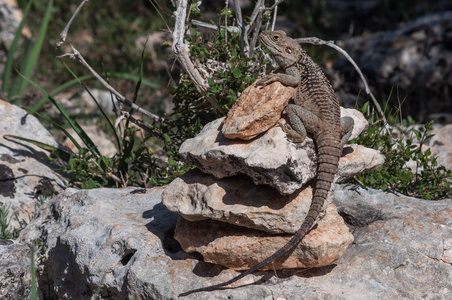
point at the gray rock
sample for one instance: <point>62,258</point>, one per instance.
<point>15,270</point>
<point>441,145</point>
<point>25,170</point>
<point>402,250</point>
<point>269,159</point>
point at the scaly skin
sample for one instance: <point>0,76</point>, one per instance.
<point>316,110</point>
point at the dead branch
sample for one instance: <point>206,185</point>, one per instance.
<point>182,51</point>
<point>77,56</point>
<point>63,34</point>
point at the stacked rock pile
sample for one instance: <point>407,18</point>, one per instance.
<point>246,198</point>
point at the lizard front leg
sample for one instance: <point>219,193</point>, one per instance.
<point>347,124</point>
<point>300,119</point>
<point>290,77</point>
<point>285,79</point>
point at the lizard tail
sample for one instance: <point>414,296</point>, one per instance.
<point>328,164</point>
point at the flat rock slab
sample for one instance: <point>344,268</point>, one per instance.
<point>25,170</point>
<point>237,200</point>
<point>238,248</point>
<point>402,250</point>
<point>268,159</point>
<point>256,110</point>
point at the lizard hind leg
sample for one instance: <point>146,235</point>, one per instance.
<point>347,124</point>
<point>300,119</point>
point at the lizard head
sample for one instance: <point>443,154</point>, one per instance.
<point>285,50</point>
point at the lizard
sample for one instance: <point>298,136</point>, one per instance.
<point>315,110</point>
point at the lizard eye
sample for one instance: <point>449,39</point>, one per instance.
<point>288,50</point>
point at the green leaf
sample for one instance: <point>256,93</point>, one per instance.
<point>80,132</point>
<point>12,50</point>
<point>62,153</point>
<point>32,57</point>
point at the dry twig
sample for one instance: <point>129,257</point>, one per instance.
<point>63,34</point>
<point>77,56</point>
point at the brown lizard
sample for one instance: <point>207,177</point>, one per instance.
<point>315,110</point>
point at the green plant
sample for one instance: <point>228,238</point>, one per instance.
<point>134,164</point>
<point>426,179</point>
<point>230,74</point>
<point>14,87</point>
<point>6,230</point>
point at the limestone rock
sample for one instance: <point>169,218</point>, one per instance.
<point>236,200</point>
<point>268,159</point>
<point>25,171</point>
<point>240,249</point>
<point>441,145</point>
<point>401,250</point>
<point>361,123</point>
<point>120,234</point>
<point>15,270</point>
<point>256,110</point>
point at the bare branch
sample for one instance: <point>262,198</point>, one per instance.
<point>181,50</point>
<point>77,56</point>
<point>140,123</point>
<point>277,2</point>
<point>275,13</point>
<point>244,44</point>
<point>63,34</point>
<point>255,13</point>
<point>214,27</point>
<point>317,41</point>
<point>257,25</point>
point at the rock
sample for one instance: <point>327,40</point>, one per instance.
<point>269,159</point>
<point>441,146</point>
<point>25,170</point>
<point>236,248</point>
<point>256,110</point>
<point>401,250</point>
<point>236,200</point>
<point>361,123</point>
<point>119,239</point>
<point>15,270</point>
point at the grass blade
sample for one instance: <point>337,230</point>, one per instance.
<point>80,132</point>
<point>12,50</point>
<point>34,282</point>
<point>33,56</point>
<point>76,144</point>
<point>73,82</point>
<point>98,106</point>
<point>62,153</point>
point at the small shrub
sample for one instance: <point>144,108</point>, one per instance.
<point>428,180</point>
